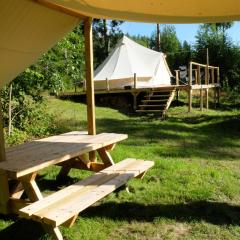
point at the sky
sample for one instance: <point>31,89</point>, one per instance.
<point>184,31</point>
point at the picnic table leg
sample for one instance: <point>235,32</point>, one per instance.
<point>34,194</point>
<point>4,196</point>
<point>106,157</point>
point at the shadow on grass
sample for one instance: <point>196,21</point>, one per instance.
<point>24,230</point>
<point>212,212</point>
<point>204,136</point>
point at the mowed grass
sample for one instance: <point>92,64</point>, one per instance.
<point>192,192</point>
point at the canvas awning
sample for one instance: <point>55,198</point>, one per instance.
<point>163,11</point>
<point>28,28</point>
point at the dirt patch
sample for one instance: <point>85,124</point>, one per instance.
<point>147,231</point>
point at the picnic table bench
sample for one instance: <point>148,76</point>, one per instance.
<point>69,150</point>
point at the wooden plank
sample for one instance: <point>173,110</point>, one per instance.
<point>190,100</point>
<point>106,157</point>
<point>201,99</point>
<point>2,142</point>
<point>4,196</point>
<point>56,217</point>
<point>135,80</point>
<point>60,8</point>
<point>64,193</point>
<point>30,187</point>
<point>16,190</point>
<point>89,76</point>
<point>190,74</point>
<point>24,161</point>
<point>16,204</point>
<point>207,98</point>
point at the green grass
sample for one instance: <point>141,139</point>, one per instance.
<point>192,192</point>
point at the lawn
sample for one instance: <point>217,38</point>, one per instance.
<point>192,192</point>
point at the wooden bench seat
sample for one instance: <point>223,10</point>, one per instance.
<point>64,206</point>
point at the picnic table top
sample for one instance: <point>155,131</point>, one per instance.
<point>31,157</point>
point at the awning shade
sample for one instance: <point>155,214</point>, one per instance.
<point>163,11</point>
<point>27,31</point>
<point>28,28</point>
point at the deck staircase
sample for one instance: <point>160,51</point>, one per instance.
<point>156,102</point>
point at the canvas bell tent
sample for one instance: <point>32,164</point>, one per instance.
<point>128,59</point>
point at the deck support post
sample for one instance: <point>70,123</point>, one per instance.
<point>218,96</point>
<point>190,100</point>
<point>201,99</point>
<point>135,80</point>
<point>89,80</point>
<point>207,98</point>
<point>135,94</point>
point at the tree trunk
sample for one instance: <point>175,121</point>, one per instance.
<point>106,39</point>
<point>158,39</point>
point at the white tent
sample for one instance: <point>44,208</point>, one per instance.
<point>129,58</point>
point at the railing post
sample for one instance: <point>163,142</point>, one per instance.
<point>135,80</point>
<point>107,84</point>
<point>199,74</point>
<point>190,74</point>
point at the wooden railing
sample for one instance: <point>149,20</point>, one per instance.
<point>211,74</point>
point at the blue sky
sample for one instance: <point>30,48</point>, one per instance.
<point>184,31</point>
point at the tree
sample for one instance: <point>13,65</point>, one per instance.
<point>169,44</point>
<point>224,54</point>
<point>105,36</point>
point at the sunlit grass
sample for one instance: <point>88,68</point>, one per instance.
<point>193,190</point>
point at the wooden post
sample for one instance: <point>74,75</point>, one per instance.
<point>207,99</point>
<point>190,74</point>
<point>135,101</point>
<point>201,99</point>
<point>218,76</point>
<point>207,69</point>
<point>218,88</point>
<point>2,142</point>
<point>89,76</point>
<point>189,100</point>
<point>177,77</point>
<point>196,76</point>
<point>199,75</point>
<point>212,75</point>
<point>135,80</point>
<point>89,81</point>
<point>107,84</point>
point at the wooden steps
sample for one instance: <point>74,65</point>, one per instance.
<point>156,102</point>
<point>63,207</point>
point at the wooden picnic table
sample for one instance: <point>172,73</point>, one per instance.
<point>69,150</point>
<point>24,161</point>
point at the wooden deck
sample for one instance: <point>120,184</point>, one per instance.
<point>138,90</point>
